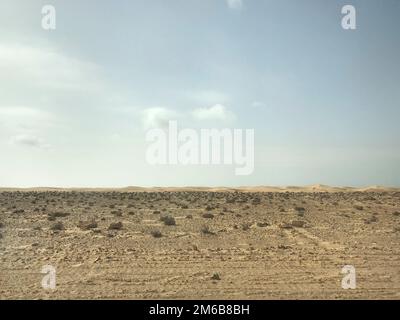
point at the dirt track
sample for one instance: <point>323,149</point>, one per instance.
<point>224,245</point>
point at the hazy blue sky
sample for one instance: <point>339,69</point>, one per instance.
<point>324,102</point>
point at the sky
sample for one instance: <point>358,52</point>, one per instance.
<point>75,102</point>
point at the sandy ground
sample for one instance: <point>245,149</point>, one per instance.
<point>199,243</point>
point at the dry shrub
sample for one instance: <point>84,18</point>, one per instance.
<point>168,220</point>
<point>115,226</point>
<point>156,233</point>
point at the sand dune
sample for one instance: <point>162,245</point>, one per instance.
<point>312,188</point>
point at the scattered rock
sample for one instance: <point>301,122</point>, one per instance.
<point>373,219</point>
<point>285,225</point>
<point>298,223</point>
<point>262,224</point>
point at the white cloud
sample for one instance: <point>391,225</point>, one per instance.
<point>258,104</point>
<point>29,141</point>
<point>18,112</point>
<point>216,112</point>
<point>235,4</point>
<point>38,87</point>
<point>22,125</point>
<point>208,97</point>
<point>157,117</point>
<point>24,66</point>
<point>21,117</point>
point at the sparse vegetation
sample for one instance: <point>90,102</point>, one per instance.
<point>115,226</point>
<point>156,233</point>
<point>58,226</point>
<point>54,215</point>
<point>168,220</point>
<point>206,230</point>
<point>87,225</point>
<point>246,226</point>
<point>116,213</point>
<point>216,276</point>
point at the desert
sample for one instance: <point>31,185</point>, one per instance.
<point>200,243</point>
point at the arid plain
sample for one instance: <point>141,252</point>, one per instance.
<point>200,243</point>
